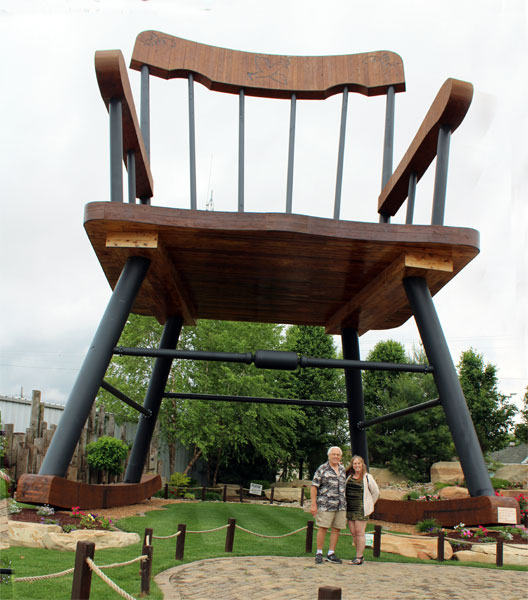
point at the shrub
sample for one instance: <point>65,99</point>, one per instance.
<point>439,485</point>
<point>498,483</point>
<point>413,495</point>
<point>107,454</point>
<point>179,480</point>
<point>212,496</point>
<point>45,511</point>
<point>428,525</point>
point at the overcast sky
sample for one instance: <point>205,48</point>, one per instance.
<point>55,156</point>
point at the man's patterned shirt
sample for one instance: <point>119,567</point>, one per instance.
<point>331,487</point>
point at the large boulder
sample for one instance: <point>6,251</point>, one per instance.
<point>297,483</point>
<point>447,472</point>
<point>36,535</point>
<point>513,473</point>
<point>386,477</point>
<point>416,547</point>
<point>453,492</point>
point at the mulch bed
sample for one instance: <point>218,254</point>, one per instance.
<point>29,515</point>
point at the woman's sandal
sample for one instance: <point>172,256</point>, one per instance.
<point>359,560</point>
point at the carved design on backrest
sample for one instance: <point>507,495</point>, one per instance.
<point>384,58</point>
<point>269,68</point>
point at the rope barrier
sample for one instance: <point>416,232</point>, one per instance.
<point>49,576</point>
<point>271,536</point>
<point>166,537</point>
<point>68,571</point>
<point>210,530</point>
<point>107,580</point>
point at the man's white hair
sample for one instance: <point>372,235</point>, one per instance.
<point>334,448</point>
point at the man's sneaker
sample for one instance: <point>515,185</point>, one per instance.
<point>318,559</point>
<point>333,558</point>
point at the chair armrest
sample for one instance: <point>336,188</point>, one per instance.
<point>113,81</point>
<point>448,109</point>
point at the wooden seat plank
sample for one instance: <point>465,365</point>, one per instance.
<point>275,268</point>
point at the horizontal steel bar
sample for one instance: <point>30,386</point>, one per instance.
<point>120,396</point>
<point>254,399</point>
<point>186,354</point>
<point>399,413</point>
<point>271,359</point>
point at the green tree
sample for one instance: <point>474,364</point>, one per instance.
<point>521,429</point>
<point>407,445</point>
<point>490,410</point>
<point>321,427</point>
<point>224,432</point>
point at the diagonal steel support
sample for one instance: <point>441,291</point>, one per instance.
<point>354,389</point>
<point>94,367</point>
<point>448,385</point>
<point>155,391</point>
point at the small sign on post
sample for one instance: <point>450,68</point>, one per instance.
<point>255,489</point>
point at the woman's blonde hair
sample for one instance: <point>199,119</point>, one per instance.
<point>350,468</point>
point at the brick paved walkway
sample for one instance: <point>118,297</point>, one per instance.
<point>276,578</point>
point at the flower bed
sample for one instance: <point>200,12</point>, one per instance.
<point>69,521</point>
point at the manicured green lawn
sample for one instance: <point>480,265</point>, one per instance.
<point>264,519</point>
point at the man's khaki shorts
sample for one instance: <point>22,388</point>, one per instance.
<point>331,518</point>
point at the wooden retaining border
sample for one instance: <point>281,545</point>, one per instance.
<point>480,510</point>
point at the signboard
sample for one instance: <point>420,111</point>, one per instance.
<point>255,489</point>
<point>369,539</point>
<point>506,515</point>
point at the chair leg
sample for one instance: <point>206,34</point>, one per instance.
<point>156,388</point>
<point>354,388</point>
<point>93,369</point>
<point>448,385</point>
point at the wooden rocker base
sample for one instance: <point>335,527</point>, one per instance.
<point>480,510</point>
<point>63,493</point>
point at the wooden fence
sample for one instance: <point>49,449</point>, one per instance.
<point>24,452</point>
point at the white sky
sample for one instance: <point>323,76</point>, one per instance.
<point>55,156</point>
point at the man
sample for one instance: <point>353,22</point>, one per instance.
<point>329,503</point>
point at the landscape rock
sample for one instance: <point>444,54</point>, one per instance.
<point>415,547</point>
<point>453,492</point>
<point>101,539</point>
<point>29,535</point>
<point>447,472</point>
<point>297,483</point>
<point>392,494</point>
<point>514,473</point>
<point>35,535</point>
<point>284,494</point>
<point>386,477</point>
<point>486,553</point>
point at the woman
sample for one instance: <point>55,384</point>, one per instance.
<point>361,495</point>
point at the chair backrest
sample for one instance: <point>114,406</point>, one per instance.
<point>273,76</point>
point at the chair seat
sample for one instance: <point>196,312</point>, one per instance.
<point>274,268</point>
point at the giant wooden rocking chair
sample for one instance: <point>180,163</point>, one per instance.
<point>181,265</point>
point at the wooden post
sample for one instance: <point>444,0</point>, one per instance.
<point>147,537</point>
<point>329,593</point>
<point>180,542</point>
<point>272,494</point>
<point>82,575</point>
<point>166,491</point>
<point>203,493</point>
<point>224,497</point>
<point>146,570</point>
<point>230,535</point>
<point>377,541</point>
<point>440,547</point>
<point>499,555</point>
<point>241,493</point>
<point>309,537</point>
<point>302,495</point>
